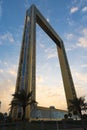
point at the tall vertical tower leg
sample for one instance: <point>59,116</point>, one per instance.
<point>66,74</point>
<point>27,63</point>
<point>20,67</point>
<point>30,81</point>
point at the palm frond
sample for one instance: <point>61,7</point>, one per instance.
<point>77,104</point>
<point>29,95</point>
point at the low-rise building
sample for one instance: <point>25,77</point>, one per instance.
<point>45,113</point>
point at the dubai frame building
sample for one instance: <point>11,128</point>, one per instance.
<point>26,77</point>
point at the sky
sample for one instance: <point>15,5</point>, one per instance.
<point>69,20</point>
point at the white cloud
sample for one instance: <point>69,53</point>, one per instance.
<point>69,49</point>
<point>6,89</point>
<point>84,9</point>
<point>1,71</point>
<point>47,96</point>
<point>42,45</point>
<point>5,63</point>
<point>84,31</point>
<point>26,4</point>
<point>7,84</point>
<point>80,80</point>
<point>69,36</point>
<point>74,9</point>
<point>81,77</point>
<point>7,37</point>
<point>76,39</point>
<point>48,20</point>
<point>84,66</point>
<point>70,21</point>
<point>51,52</point>
<point>12,72</point>
<point>82,41</point>
<point>39,79</point>
<point>52,55</point>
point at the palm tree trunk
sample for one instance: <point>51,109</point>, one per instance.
<point>23,117</point>
<point>80,113</point>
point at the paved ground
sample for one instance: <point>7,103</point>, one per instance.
<point>74,129</point>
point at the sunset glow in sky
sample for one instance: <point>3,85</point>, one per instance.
<point>69,20</point>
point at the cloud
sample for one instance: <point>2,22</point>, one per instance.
<point>68,49</point>
<point>84,66</point>
<point>84,31</point>
<point>70,21</point>
<point>81,77</point>
<point>1,70</point>
<point>26,4</point>
<point>42,45</point>
<point>39,79</point>
<point>51,52</point>
<point>7,84</point>
<point>76,39</point>
<point>5,63</point>
<point>80,80</point>
<point>5,94</point>
<point>47,96</point>
<point>74,9</point>
<point>69,36</point>
<point>82,41</point>
<point>48,20</point>
<point>12,72</point>
<point>84,9</point>
<point>7,37</point>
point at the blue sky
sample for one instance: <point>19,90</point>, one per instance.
<point>69,20</point>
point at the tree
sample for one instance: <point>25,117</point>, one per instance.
<point>69,114</point>
<point>84,117</point>
<point>1,116</point>
<point>22,99</point>
<point>0,104</point>
<point>66,116</point>
<point>77,105</point>
<point>13,103</point>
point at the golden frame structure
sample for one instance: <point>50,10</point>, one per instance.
<point>26,78</point>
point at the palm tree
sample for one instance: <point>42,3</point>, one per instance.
<point>1,116</point>
<point>77,105</point>
<point>13,103</point>
<point>0,104</point>
<point>22,100</point>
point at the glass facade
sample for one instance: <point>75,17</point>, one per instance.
<point>26,40</point>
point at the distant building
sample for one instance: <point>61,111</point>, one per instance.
<point>45,113</point>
